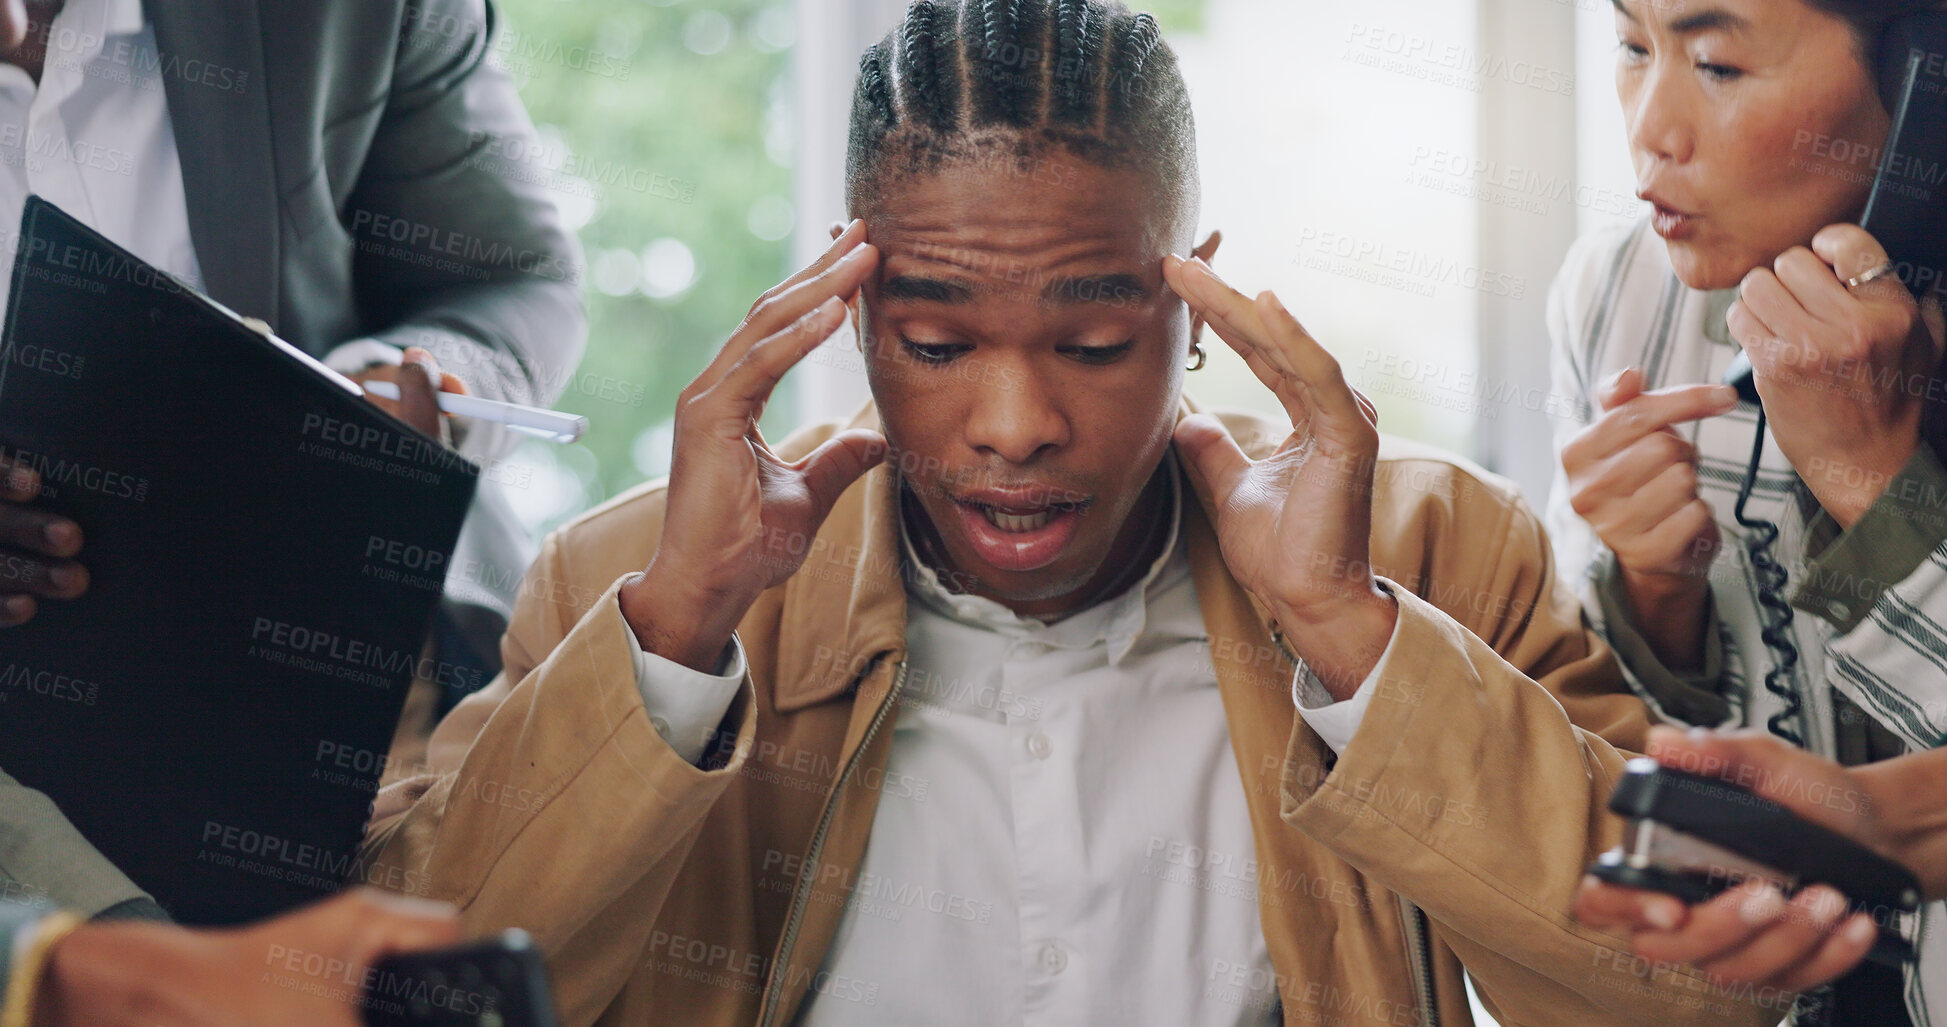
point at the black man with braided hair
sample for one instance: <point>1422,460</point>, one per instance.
<point>1033,695</point>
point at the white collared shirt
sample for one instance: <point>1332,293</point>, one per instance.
<point>95,138</point>
<point>1070,841</point>
<point>1081,850</point>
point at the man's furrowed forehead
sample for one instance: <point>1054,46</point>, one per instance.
<point>947,269</point>
<point>948,240</point>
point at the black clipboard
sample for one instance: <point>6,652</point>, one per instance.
<point>266,550</point>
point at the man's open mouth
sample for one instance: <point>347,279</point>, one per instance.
<point>1021,519</point>
<point>1020,529</point>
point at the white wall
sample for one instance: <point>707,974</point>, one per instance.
<point>831,36</point>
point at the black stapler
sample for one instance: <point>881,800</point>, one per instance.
<point>1693,837</point>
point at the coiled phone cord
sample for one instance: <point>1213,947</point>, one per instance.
<point>1776,612</point>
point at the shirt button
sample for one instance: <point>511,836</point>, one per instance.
<point>1039,746</point>
<point>1841,611</point>
<point>1053,959</point>
<point>661,726</point>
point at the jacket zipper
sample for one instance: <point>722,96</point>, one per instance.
<point>801,895</point>
<point>1421,954</point>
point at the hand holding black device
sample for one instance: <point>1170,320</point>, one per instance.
<point>1906,219</point>
<point>1902,213</point>
<point>1693,837</point>
<point>495,983</point>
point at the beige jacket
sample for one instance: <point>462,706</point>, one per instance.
<point>665,894</point>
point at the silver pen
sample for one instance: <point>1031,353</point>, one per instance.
<point>552,425</point>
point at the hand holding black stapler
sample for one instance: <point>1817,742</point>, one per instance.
<point>1693,837</point>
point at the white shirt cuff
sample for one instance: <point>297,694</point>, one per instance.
<point>352,357</point>
<point>1334,721</point>
<point>685,706</point>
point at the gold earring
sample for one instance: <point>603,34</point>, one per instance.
<point>1197,348</point>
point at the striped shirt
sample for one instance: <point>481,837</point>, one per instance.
<point>1867,625</point>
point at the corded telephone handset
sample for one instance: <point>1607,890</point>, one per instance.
<point>1901,213</point>
<point>1912,63</point>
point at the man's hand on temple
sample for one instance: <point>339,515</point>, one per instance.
<point>1844,372</point>
<point>1296,527</point>
<point>739,518</point>
<point>308,968</point>
<point>37,548</point>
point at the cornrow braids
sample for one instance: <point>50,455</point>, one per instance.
<point>961,80</point>
<point>1137,40</point>
<point>1007,75</point>
<point>926,46</point>
<point>1078,42</point>
<point>875,94</point>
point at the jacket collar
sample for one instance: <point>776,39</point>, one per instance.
<point>845,608</point>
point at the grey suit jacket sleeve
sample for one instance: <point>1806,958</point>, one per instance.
<point>500,305</point>
<point>45,863</point>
